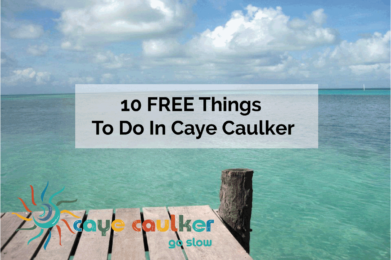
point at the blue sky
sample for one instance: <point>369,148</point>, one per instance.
<point>48,46</point>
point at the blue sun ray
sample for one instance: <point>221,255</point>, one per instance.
<point>43,192</point>
<point>47,240</point>
<point>37,236</point>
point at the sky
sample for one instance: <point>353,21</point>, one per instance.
<point>48,46</point>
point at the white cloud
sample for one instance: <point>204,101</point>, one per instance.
<point>107,78</point>
<point>162,48</point>
<point>370,50</point>
<point>42,77</point>
<point>111,61</point>
<point>318,16</point>
<point>67,45</point>
<point>263,31</point>
<point>28,75</point>
<point>95,22</point>
<point>256,45</point>
<point>37,50</point>
<point>382,68</point>
<point>365,59</point>
<point>60,5</point>
<point>20,29</point>
<point>250,46</point>
<point>81,80</point>
<point>27,31</point>
<point>348,62</point>
<point>263,34</point>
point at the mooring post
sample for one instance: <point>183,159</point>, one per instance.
<point>236,199</point>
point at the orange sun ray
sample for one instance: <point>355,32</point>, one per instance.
<point>66,223</point>
<point>32,195</point>
<point>59,232</point>
<point>25,206</point>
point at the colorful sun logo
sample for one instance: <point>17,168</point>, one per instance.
<point>47,221</point>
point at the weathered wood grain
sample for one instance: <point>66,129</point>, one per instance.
<point>224,245</point>
<point>9,224</point>
<point>54,250</point>
<point>158,241</point>
<point>128,244</point>
<point>92,245</point>
<point>236,197</point>
<point>18,248</point>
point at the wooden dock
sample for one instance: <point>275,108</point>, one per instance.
<point>127,244</point>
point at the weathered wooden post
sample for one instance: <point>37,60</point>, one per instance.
<point>236,199</point>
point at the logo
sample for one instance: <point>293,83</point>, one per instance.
<point>49,218</point>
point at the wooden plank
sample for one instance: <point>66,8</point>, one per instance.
<point>224,245</point>
<point>93,245</point>
<point>158,241</point>
<point>128,244</point>
<point>56,251</point>
<point>18,248</point>
<point>9,223</point>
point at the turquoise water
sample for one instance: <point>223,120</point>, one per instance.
<point>326,203</point>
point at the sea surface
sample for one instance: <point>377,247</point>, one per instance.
<point>326,203</point>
